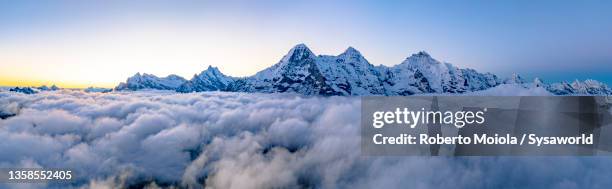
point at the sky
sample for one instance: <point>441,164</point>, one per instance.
<point>79,44</point>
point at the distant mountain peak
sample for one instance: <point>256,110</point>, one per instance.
<point>210,79</point>
<point>300,46</point>
<point>212,69</point>
<point>150,81</point>
<point>350,51</point>
<point>421,57</point>
<point>537,82</point>
<point>422,54</point>
<point>515,79</point>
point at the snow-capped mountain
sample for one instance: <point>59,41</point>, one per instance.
<point>514,79</point>
<point>24,90</point>
<point>296,72</point>
<point>34,90</point>
<point>97,90</point>
<point>420,73</point>
<point>349,73</point>
<point>210,79</point>
<point>579,87</point>
<point>45,88</point>
<point>149,81</point>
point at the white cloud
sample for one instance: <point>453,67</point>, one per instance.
<point>236,140</point>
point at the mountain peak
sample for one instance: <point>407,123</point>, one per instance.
<point>298,52</point>
<point>148,75</point>
<point>421,54</point>
<point>420,58</point>
<point>537,82</point>
<point>210,79</point>
<point>300,46</point>
<point>174,76</point>
<point>514,79</point>
<point>150,81</point>
<point>212,69</point>
<point>351,51</point>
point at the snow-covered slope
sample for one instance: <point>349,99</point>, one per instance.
<point>210,79</point>
<point>420,73</point>
<point>149,81</point>
<point>349,73</point>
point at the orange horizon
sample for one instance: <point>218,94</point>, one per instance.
<point>37,83</point>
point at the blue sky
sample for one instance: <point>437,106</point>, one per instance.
<point>80,43</point>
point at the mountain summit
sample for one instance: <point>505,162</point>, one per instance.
<point>210,79</point>
<point>295,72</point>
<point>297,53</point>
<point>349,73</point>
<point>150,81</point>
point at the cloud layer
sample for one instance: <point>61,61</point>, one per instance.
<point>237,140</point>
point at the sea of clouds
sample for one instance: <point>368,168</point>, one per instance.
<point>236,140</point>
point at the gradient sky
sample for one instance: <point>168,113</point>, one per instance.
<point>101,43</point>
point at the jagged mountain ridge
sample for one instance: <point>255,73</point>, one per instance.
<point>150,81</point>
<point>349,73</point>
<point>210,79</point>
<point>296,72</point>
